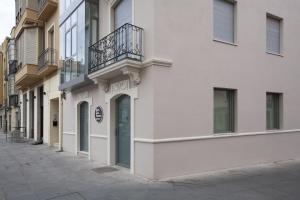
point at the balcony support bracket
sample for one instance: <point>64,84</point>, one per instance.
<point>134,75</point>
<point>104,84</point>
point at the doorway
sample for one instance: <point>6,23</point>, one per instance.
<point>25,113</point>
<point>54,126</point>
<point>31,114</point>
<point>83,127</point>
<point>123,131</point>
<point>41,113</point>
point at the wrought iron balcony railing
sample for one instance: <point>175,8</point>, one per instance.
<point>124,43</point>
<point>47,57</point>
<point>71,70</point>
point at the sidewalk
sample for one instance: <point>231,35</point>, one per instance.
<point>30,172</point>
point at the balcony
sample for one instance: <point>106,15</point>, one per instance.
<point>28,17</point>
<point>122,49</point>
<point>47,62</point>
<point>46,8</point>
<point>27,76</point>
<point>73,75</point>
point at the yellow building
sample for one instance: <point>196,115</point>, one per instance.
<point>37,77</point>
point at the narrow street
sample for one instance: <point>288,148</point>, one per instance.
<point>30,172</point>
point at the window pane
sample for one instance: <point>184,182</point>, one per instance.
<point>74,41</point>
<point>223,111</point>
<point>224,20</point>
<point>74,18</point>
<point>62,42</point>
<point>81,37</point>
<point>67,3</point>
<point>273,35</point>
<point>68,44</point>
<point>68,24</point>
<point>123,13</point>
<point>273,111</point>
<point>94,30</point>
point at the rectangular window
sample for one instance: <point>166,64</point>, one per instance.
<point>224,109</point>
<point>74,41</point>
<point>273,111</point>
<point>224,20</point>
<point>273,35</point>
<point>68,44</point>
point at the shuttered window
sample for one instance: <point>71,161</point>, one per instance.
<point>224,110</point>
<point>273,111</point>
<point>273,35</point>
<point>123,13</point>
<point>224,16</point>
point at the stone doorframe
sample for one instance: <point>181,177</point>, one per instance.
<point>116,90</point>
<point>80,99</point>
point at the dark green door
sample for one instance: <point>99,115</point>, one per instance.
<point>84,135</point>
<point>123,131</point>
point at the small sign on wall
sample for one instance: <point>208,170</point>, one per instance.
<point>99,114</point>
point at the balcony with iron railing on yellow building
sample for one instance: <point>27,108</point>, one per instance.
<point>47,62</point>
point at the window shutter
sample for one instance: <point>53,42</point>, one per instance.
<point>273,35</point>
<point>224,20</point>
<point>123,13</point>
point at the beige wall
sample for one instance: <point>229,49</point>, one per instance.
<point>183,94</point>
<point>174,109</point>
<point>51,83</point>
<point>1,77</point>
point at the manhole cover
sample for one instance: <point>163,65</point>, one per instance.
<point>70,196</point>
<point>103,170</point>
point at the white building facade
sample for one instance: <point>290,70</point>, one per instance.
<point>170,88</point>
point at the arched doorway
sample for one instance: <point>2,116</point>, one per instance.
<point>123,131</point>
<point>83,127</point>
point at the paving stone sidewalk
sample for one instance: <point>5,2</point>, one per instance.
<point>30,172</point>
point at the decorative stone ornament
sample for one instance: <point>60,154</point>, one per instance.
<point>133,73</point>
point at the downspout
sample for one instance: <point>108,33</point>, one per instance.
<point>62,97</point>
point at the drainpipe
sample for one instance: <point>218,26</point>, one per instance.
<point>62,96</point>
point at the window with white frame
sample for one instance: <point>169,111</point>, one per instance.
<point>224,20</point>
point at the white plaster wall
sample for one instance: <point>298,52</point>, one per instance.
<point>68,143</point>
<point>99,149</point>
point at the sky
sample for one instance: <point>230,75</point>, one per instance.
<point>7,18</point>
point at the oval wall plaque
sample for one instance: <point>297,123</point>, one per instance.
<point>99,114</point>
